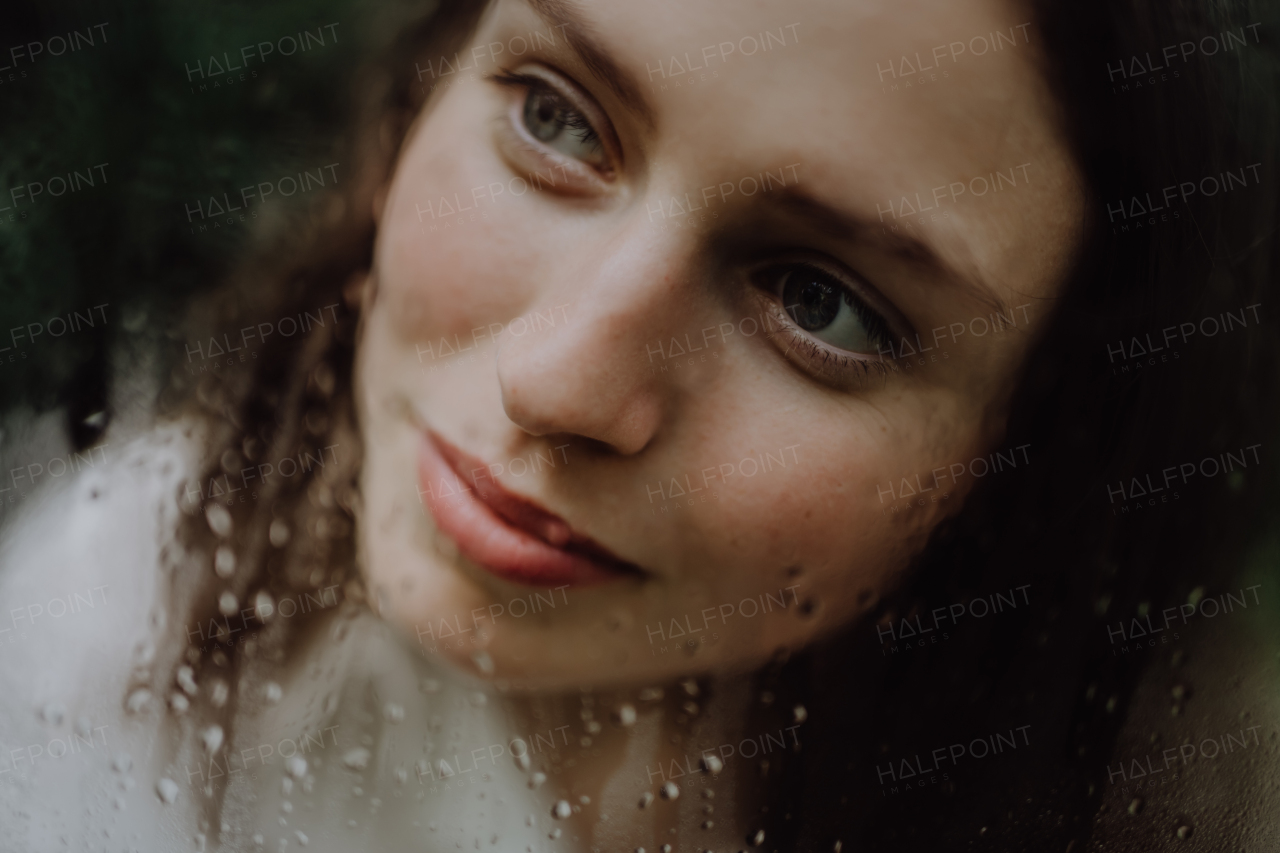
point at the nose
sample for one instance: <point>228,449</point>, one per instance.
<point>588,376</point>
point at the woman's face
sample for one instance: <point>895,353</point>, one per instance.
<point>688,321</point>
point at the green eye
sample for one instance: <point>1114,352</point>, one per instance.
<point>556,123</point>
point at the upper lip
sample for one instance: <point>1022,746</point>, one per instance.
<point>523,513</point>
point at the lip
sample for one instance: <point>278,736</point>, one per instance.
<point>508,535</point>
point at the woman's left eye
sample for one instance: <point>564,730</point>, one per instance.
<point>828,309</point>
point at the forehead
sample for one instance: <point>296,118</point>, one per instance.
<point>891,109</point>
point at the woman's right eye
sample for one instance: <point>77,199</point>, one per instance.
<point>552,117</point>
<point>552,120</point>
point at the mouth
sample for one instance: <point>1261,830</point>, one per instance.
<point>507,535</point>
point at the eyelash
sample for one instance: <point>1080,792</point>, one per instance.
<point>574,119</point>
<point>834,365</point>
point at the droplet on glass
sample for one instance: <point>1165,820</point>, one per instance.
<point>186,677</point>
<point>536,780</point>
<point>483,661</point>
<point>224,562</point>
<point>646,800</point>
<point>669,791</point>
<point>138,701</point>
<point>179,703</point>
<point>523,762</point>
<point>1183,832</point>
<point>122,763</point>
<point>651,694</point>
<point>272,692</point>
<point>1135,805</point>
<point>212,739</point>
<point>625,715</point>
<point>561,810</point>
<point>296,766</point>
<point>228,604</point>
<point>712,764</point>
<point>52,713</point>
<point>278,533</point>
<point>264,606</point>
<point>219,520</point>
<point>356,759</point>
<point>554,834</point>
<point>690,686</point>
<point>758,838</point>
<point>218,693</point>
<point>393,713</point>
<point>167,790</point>
<point>799,714</point>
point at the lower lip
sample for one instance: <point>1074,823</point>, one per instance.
<point>487,540</point>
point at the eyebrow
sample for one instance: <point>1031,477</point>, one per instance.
<point>845,226</point>
<point>584,42</point>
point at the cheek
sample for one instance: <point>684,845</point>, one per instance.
<point>450,255</point>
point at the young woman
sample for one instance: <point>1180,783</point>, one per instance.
<point>700,427</point>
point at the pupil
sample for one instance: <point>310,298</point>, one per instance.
<point>812,301</point>
<point>542,116</point>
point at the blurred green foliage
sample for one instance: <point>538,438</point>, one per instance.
<point>133,101</point>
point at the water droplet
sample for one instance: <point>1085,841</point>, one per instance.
<point>264,606</point>
<point>712,764</point>
<point>272,692</point>
<point>356,759</point>
<point>139,701</point>
<point>690,686</point>
<point>219,520</point>
<point>483,661</point>
<point>296,766</point>
<point>666,848</point>
<point>561,810</point>
<point>258,839</point>
<point>228,604</point>
<point>646,799</point>
<point>187,680</point>
<point>799,713</point>
<point>286,807</point>
<point>1183,832</point>
<point>758,838</point>
<point>669,791</point>
<point>651,694</point>
<point>536,780</point>
<point>554,834</point>
<point>212,739</point>
<point>167,790</point>
<point>218,693</point>
<point>708,824</point>
<point>585,800</point>
<point>523,762</point>
<point>393,713</point>
<point>178,703</point>
<point>122,763</point>
<point>837,847</point>
<point>625,715</point>
<point>301,836</point>
<point>278,533</point>
<point>1135,805</point>
<point>224,562</point>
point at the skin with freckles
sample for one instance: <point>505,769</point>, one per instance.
<point>723,387</point>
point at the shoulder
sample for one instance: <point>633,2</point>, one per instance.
<point>85,611</point>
